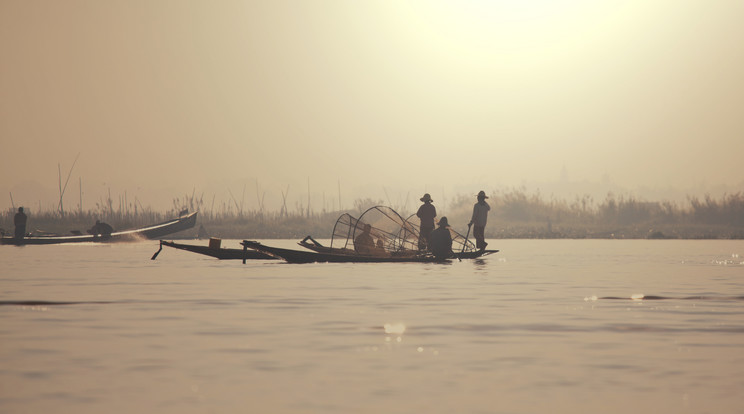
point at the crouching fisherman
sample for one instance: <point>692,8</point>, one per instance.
<point>441,240</point>
<point>104,229</point>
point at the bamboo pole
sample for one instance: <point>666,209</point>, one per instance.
<point>59,179</point>
<point>308,196</point>
<point>67,181</point>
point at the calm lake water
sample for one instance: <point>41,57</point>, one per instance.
<point>544,326</point>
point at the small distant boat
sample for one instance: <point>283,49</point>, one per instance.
<point>155,231</point>
<point>215,250</point>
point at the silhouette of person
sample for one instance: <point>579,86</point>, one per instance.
<point>426,213</point>
<point>19,220</point>
<point>364,243</point>
<point>379,249</point>
<point>479,219</point>
<point>101,228</point>
<point>441,240</point>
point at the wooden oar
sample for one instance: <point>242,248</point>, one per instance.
<point>157,252</point>
<point>466,241</point>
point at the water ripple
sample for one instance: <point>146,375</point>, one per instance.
<point>655,297</point>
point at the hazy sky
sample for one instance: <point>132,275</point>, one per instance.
<point>387,98</point>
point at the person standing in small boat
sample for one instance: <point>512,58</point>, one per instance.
<point>441,240</point>
<point>426,213</point>
<point>478,221</point>
<point>19,220</point>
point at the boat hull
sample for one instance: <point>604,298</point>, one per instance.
<point>299,256</point>
<point>310,243</point>
<point>219,253</point>
<point>154,231</point>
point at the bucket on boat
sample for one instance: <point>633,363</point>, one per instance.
<point>214,243</point>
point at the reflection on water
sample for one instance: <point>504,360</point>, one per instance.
<point>394,328</point>
<point>559,326</point>
<point>640,296</point>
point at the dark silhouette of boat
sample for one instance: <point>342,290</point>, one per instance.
<point>156,231</point>
<point>215,251</point>
<point>396,241</point>
<point>312,244</point>
<point>390,238</point>
<point>307,256</point>
<point>395,236</point>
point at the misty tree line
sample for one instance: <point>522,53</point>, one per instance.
<point>515,213</point>
<point>517,205</point>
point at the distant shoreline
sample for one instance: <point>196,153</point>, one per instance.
<point>322,227</point>
<point>514,214</point>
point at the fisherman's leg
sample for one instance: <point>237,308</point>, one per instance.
<point>479,234</point>
<point>423,243</point>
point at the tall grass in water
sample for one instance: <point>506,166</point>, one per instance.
<point>515,213</point>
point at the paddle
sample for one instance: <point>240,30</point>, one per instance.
<point>157,252</point>
<point>466,241</point>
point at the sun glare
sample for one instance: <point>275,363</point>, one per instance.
<point>495,26</point>
<point>479,41</point>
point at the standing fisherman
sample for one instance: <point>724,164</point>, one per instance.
<point>20,224</point>
<point>478,221</point>
<point>426,213</point>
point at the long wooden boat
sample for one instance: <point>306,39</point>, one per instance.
<point>155,231</point>
<point>299,256</point>
<point>312,244</point>
<point>391,234</point>
<point>222,253</point>
<point>473,254</point>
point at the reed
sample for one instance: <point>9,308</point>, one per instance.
<point>515,213</point>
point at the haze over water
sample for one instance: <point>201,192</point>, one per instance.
<point>320,103</point>
<point>386,100</point>
<point>542,326</point>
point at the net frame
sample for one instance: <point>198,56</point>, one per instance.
<point>393,233</point>
<point>459,242</point>
<point>399,236</point>
<point>343,232</point>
